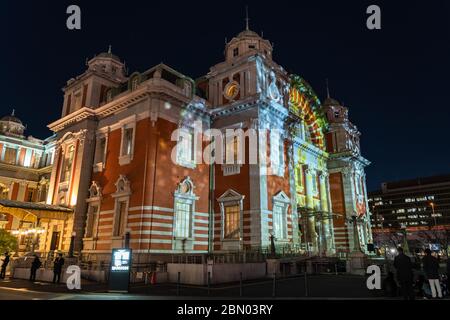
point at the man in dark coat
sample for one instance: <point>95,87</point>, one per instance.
<point>403,265</point>
<point>4,265</point>
<point>57,268</point>
<point>431,269</point>
<point>35,265</point>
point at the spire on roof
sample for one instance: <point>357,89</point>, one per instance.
<point>13,112</point>
<point>328,89</point>
<point>109,49</point>
<point>246,18</point>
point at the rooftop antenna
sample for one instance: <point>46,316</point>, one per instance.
<point>328,89</point>
<point>109,49</point>
<point>13,113</point>
<point>262,34</point>
<point>246,18</point>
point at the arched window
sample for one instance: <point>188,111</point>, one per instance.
<point>184,208</point>
<point>122,199</point>
<point>279,215</point>
<point>134,83</point>
<point>93,201</point>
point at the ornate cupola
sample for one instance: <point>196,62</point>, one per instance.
<point>12,126</point>
<point>247,42</point>
<point>108,64</point>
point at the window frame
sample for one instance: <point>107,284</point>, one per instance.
<point>231,198</point>
<point>186,197</point>
<point>282,201</point>
<point>181,160</point>
<point>125,159</point>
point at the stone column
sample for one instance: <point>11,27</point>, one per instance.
<point>310,207</point>
<point>325,219</point>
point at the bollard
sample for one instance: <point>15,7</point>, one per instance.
<point>209,283</point>
<point>178,283</point>
<point>240,285</point>
<point>274,284</point>
<point>306,284</point>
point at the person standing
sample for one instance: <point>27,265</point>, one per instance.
<point>35,265</point>
<point>57,268</point>
<point>4,265</point>
<point>431,269</point>
<point>403,265</point>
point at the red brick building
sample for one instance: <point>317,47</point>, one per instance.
<point>131,150</point>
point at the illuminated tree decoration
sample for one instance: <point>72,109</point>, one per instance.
<point>305,104</point>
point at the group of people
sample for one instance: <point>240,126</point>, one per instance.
<point>58,264</point>
<point>428,284</point>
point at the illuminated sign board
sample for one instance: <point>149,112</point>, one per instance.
<point>119,275</point>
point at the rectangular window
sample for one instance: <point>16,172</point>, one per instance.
<point>299,177</point>
<point>30,194</point>
<point>231,147</point>
<point>120,221</point>
<point>235,52</point>
<point>314,182</point>
<point>279,222</point>
<point>277,154</point>
<point>10,155</point>
<point>127,145</point>
<point>232,222</point>
<point>91,228</point>
<point>67,165</point>
<point>185,147</point>
<point>77,100</point>
<point>100,152</point>
<point>183,212</point>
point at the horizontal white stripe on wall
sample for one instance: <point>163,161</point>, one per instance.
<point>106,212</point>
<point>153,232</point>
<point>149,216</point>
<point>150,224</point>
<point>150,240</point>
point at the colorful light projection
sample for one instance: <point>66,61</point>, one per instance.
<point>306,105</point>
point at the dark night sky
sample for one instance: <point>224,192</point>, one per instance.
<point>395,81</point>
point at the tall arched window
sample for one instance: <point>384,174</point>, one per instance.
<point>184,208</point>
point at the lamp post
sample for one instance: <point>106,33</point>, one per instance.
<point>72,244</point>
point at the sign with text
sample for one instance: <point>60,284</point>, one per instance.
<point>119,273</point>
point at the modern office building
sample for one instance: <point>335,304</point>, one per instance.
<point>420,207</point>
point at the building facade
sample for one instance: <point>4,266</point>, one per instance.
<point>419,208</point>
<point>25,169</point>
<point>131,159</point>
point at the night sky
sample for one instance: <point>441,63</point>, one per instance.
<point>394,80</point>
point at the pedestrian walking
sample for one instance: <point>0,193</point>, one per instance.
<point>35,265</point>
<point>403,265</point>
<point>5,263</point>
<point>57,268</point>
<point>431,269</point>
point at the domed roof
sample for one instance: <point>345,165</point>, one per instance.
<point>331,102</point>
<point>248,34</point>
<point>11,118</point>
<point>109,54</point>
